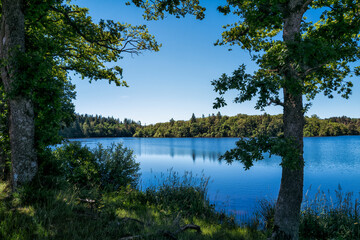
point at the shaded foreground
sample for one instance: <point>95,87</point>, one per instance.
<point>126,214</point>
<point>78,195</point>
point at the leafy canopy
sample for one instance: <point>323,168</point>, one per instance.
<point>320,57</point>
<point>62,39</point>
<point>155,9</point>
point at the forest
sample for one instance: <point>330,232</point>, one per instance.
<point>241,125</point>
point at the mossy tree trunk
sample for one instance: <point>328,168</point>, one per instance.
<point>22,128</point>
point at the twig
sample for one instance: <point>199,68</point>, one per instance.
<point>125,219</point>
<point>131,237</point>
<point>190,226</point>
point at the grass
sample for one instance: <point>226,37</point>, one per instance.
<point>83,193</point>
<point>157,213</point>
<point>325,215</point>
<point>77,195</point>
<point>331,216</point>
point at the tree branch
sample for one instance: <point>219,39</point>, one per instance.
<point>306,4</point>
<point>276,101</point>
<point>78,31</point>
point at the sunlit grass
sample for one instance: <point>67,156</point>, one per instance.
<point>64,214</point>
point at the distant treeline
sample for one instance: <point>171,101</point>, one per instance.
<point>86,126</point>
<point>212,126</point>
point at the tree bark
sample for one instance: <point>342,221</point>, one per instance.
<point>22,127</point>
<point>287,209</point>
<point>4,130</point>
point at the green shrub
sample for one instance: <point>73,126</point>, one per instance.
<point>117,166</point>
<point>186,193</point>
<point>109,168</point>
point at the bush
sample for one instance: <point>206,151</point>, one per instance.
<point>117,166</point>
<point>187,194</point>
<point>110,168</point>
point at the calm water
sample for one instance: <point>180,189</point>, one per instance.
<point>330,161</point>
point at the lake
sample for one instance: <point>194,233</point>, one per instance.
<point>329,161</point>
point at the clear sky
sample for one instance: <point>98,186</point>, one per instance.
<point>175,82</point>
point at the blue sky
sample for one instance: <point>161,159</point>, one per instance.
<point>175,82</point>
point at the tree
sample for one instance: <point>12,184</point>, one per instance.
<point>21,132</point>
<point>172,121</point>
<point>309,58</point>
<point>193,118</point>
<point>42,42</point>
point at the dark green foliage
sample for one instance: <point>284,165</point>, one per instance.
<point>212,126</point>
<point>248,126</point>
<point>153,10</point>
<point>321,55</point>
<point>4,136</point>
<point>190,189</point>
<point>65,34</point>
<point>253,149</point>
<point>322,216</point>
<point>57,205</point>
<point>61,38</point>
<point>193,118</point>
<point>110,168</point>
<point>118,167</point>
<point>333,126</point>
<point>78,164</point>
<point>215,126</point>
<point>86,126</point>
<point>310,58</point>
<point>57,93</point>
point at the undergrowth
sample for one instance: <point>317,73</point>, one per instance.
<point>325,215</point>
<point>81,193</point>
<point>64,202</point>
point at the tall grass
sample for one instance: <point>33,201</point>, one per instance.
<point>330,216</point>
<point>186,193</point>
<point>324,215</point>
<point>79,194</point>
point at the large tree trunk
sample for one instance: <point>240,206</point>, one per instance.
<point>287,210</point>
<point>22,128</point>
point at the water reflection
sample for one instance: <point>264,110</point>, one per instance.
<point>329,161</point>
<point>319,152</point>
